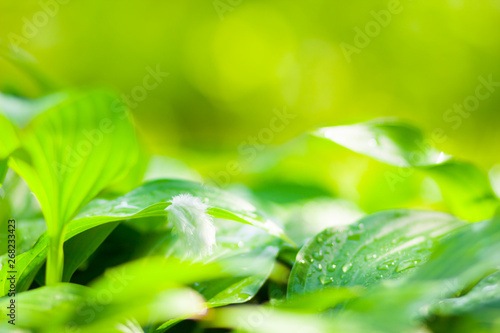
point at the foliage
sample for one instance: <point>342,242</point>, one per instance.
<point>101,250</point>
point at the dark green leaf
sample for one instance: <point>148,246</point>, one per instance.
<point>79,248</point>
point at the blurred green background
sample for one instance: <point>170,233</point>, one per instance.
<point>232,63</point>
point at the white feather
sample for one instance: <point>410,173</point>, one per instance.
<point>194,226</point>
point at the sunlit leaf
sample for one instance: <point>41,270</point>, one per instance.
<point>45,307</point>
<point>148,200</point>
<point>380,246</point>
<point>387,141</point>
<point>459,259</point>
<point>466,189</point>
<point>70,152</point>
<point>3,170</point>
<point>485,291</point>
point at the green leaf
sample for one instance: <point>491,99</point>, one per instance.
<point>27,63</point>
<point>466,189</point>
<point>380,246</point>
<point>466,256</point>
<point>149,290</point>
<point>239,243</point>
<point>70,152</point>
<point>266,319</point>
<point>319,300</point>
<point>485,291</point>
<point>8,143</point>
<point>148,200</point>
<point>3,170</point>
<point>387,141</point>
<point>459,260</point>
<point>79,248</point>
<point>44,307</point>
<point>153,197</point>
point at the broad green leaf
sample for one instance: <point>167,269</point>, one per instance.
<point>466,189</point>
<point>149,290</point>
<point>238,243</point>
<point>70,152</point>
<point>19,199</point>
<point>148,309</point>
<point>485,291</point>
<point>466,256</point>
<point>266,319</point>
<point>79,248</point>
<point>20,111</point>
<point>8,137</point>
<point>158,192</point>
<point>319,300</point>
<point>380,246</point>
<point>44,307</point>
<point>386,140</point>
<point>460,259</point>
<point>149,200</point>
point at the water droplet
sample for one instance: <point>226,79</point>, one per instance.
<point>320,238</point>
<point>361,226</point>
<point>325,279</point>
<point>407,264</point>
<point>370,256</point>
<point>318,255</point>
<point>302,261</point>
<point>386,265</point>
<point>346,267</point>
<point>317,268</point>
<point>331,268</point>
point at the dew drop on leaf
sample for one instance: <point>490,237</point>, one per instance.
<point>346,267</point>
<point>385,266</point>
<point>325,279</point>
<point>318,255</point>
<point>407,264</point>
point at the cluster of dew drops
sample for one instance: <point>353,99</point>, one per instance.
<point>325,269</point>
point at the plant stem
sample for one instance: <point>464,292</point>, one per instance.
<point>55,259</point>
